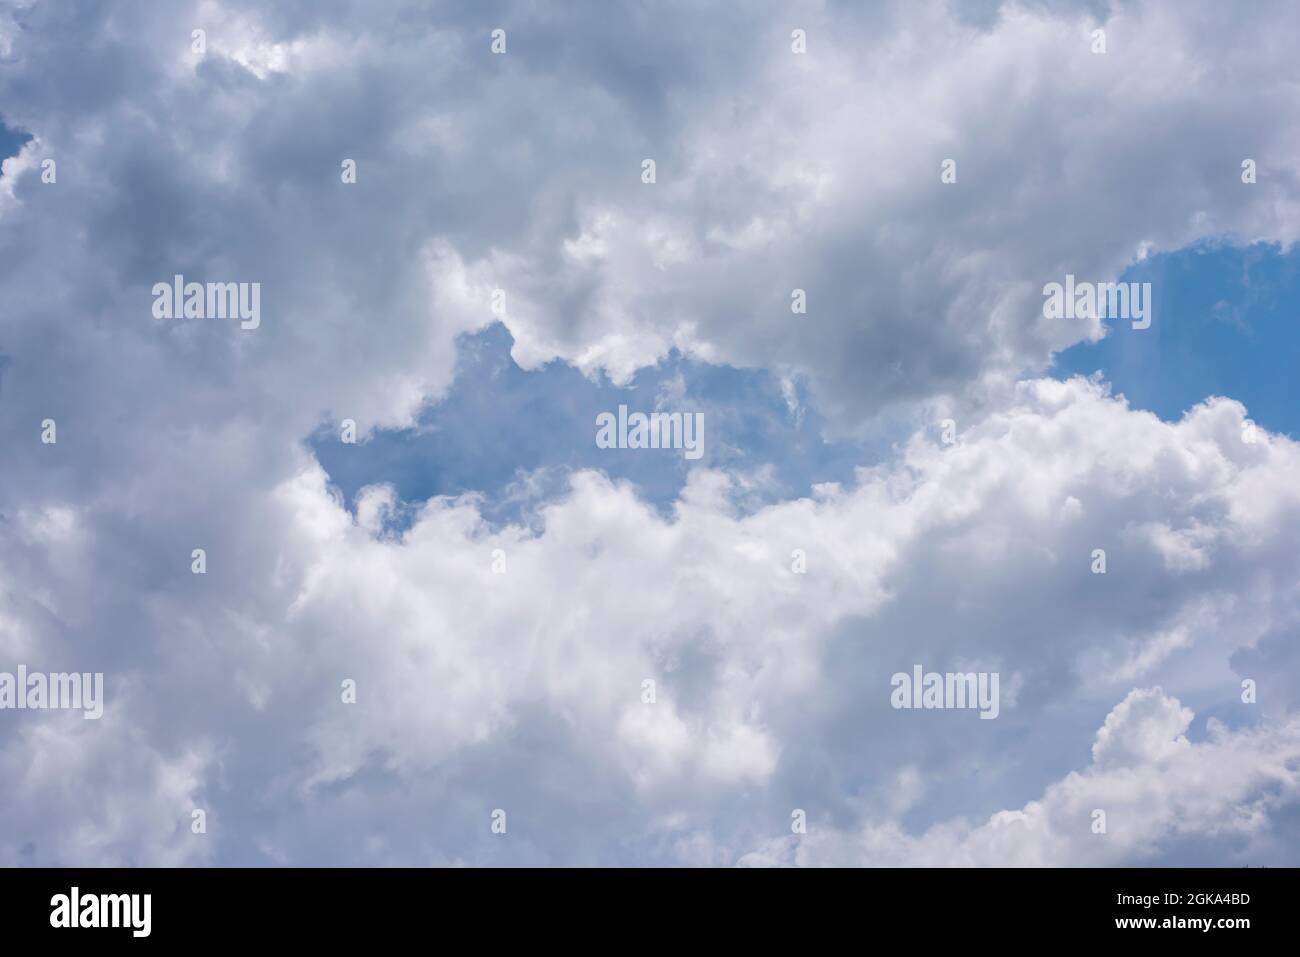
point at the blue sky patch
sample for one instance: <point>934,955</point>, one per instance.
<point>514,435</point>
<point>1225,323</point>
<point>11,141</point>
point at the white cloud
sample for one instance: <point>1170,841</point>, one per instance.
<point>957,557</point>
<point>1154,787</point>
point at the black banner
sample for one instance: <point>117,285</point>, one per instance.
<point>331,907</point>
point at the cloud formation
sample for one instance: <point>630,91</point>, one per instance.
<point>523,690</point>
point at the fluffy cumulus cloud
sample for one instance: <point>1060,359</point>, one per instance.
<point>1118,810</point>
<point>504,665</point>
<point>522,689</point>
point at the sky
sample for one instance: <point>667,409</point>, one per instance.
<point>435,622</point>
<point>1233,335</point>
